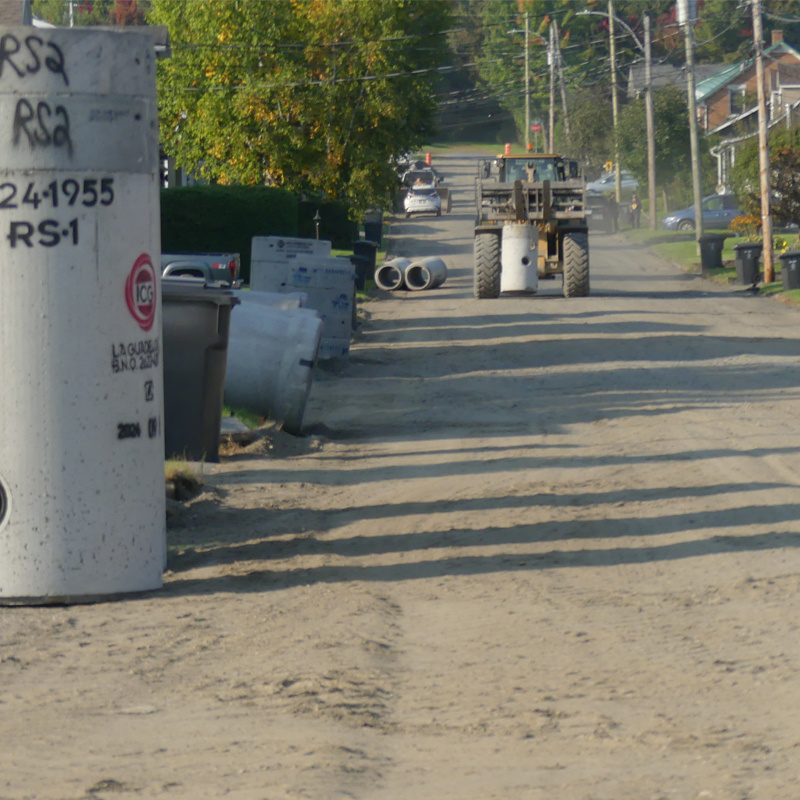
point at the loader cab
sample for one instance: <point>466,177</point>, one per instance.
<point>533,168</point>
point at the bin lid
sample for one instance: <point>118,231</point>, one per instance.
<point>713,237</point>
<point>748,246</point>
<point>355,259</point>
<point>790,255</point>
<point>198,290</point>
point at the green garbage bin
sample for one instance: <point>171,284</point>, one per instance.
<point>790,269</point>
<point>747,256</point>
<point>711,250</point>
<point>196,320</point>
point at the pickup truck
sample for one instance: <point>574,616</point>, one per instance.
<point>225,267</point>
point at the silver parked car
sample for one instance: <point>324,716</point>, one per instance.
<point>423,200</point>
<point>607,183</point>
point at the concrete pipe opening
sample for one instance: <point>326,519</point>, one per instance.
<point>391,274</point>
<point>417,277</point>
<point>4,504</point>
<point>426,273</point>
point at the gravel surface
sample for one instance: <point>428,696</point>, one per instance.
<point>530,548</point>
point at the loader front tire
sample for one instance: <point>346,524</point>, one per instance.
<point>576,264</point>
<point>487,266</point>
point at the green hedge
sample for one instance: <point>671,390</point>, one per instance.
<point>334,223</point>
<point>224,219</point>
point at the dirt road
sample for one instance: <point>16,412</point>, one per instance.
<point>535,548</point>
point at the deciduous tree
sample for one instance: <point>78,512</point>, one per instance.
<point>315,96</point>
<point>784,159</point>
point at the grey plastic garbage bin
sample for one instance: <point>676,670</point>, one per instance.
<point>711,250</point>
<point>790,269</point>
<point>747,256</point>
<point>196,321</point>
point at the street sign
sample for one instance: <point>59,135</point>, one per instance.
<point>536,127</point>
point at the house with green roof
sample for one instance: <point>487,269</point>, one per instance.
<point>727,101</point>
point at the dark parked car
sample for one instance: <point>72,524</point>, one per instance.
<point>718,211</point>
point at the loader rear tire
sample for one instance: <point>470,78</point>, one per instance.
<point>487,266</point>
<point>576,264</point>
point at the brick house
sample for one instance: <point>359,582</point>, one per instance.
<point>727,104</point>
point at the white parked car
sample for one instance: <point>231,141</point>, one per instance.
<point>607,183</point>
<point>423,200</point>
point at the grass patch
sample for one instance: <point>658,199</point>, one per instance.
<point>776,287</point>
<point>182,482</point>
<point>684,253</point>
<point>249,418</point>
<point>792,296</point>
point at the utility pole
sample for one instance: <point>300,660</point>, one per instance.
<point>527,82</point>
<point>763,147</point>
<point>614,100</point>
<point>651,136</point>
<point>693,140</point>
<point>561,81</point>
<point>552,64</point>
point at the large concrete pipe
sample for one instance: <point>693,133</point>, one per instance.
<point>82,500</point>
<point>271,357</point>
<point>519,263</point>
<point>391,274</point>
<point>288,301</point>
<point>425,273</point>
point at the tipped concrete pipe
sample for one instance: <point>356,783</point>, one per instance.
<point>271,357</point>
<point>391,274</point>
<point>425,273</point>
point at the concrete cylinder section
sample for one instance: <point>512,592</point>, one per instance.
<point>425,273</point>
<point>518,260</point>
<point>82,514</point>
<point>271,358</point>
<point>391,274</point>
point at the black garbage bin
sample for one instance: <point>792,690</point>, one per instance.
<point>373,226</point>
<point>747,256</point>
<point>368,250</point>
<point>362,268</point>
<point>711,250</point>
<point>196,322</point>
<point>790,269</point>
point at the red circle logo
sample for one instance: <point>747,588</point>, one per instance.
<point>140,292</point>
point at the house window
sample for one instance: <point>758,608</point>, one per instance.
<point>736,97</point>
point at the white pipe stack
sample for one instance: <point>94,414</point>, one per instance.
<point>425,273</point>
<point>518,258</point>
